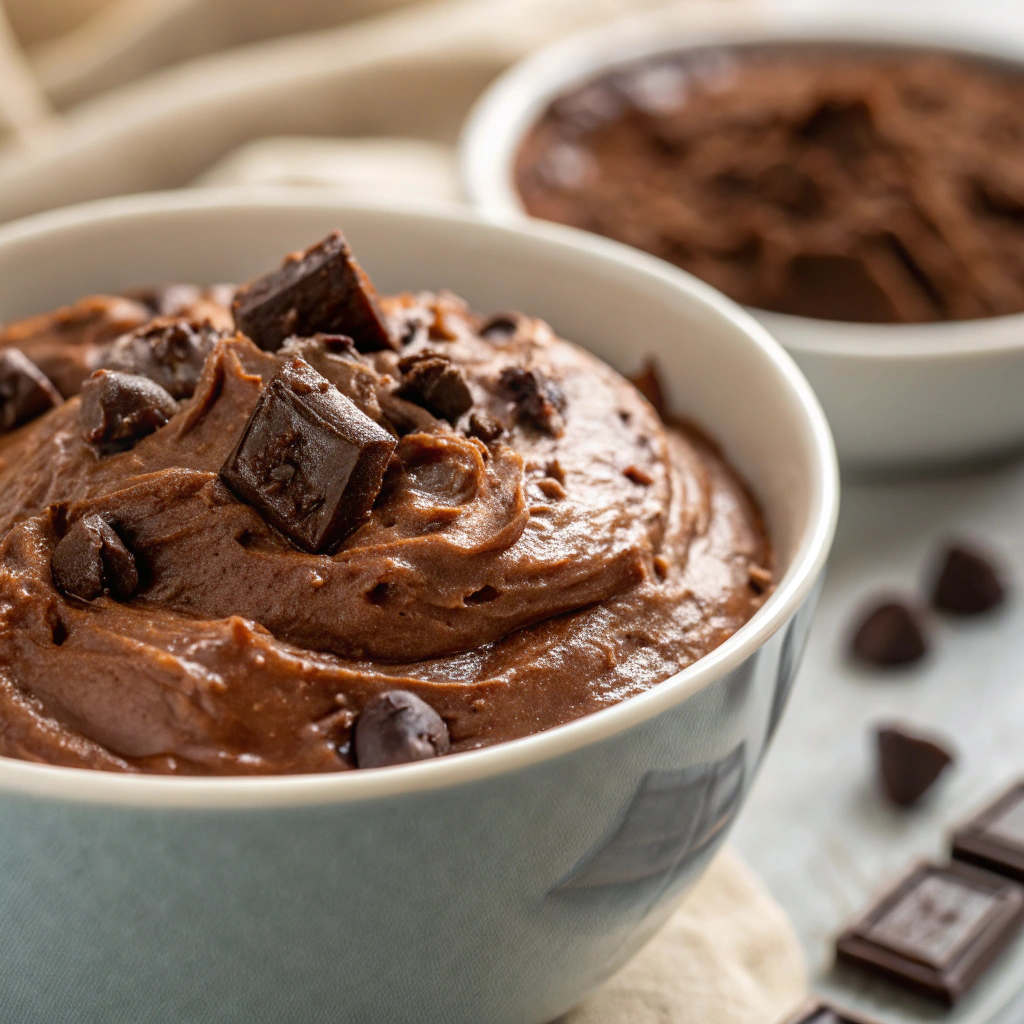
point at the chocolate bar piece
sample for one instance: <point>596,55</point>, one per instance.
<point>308,460</point>
<point>321,290</point>
<point>937,930</point>
<point>995,838</point>
<point>817,1012</point>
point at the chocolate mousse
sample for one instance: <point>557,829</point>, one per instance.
<point>874,186</point>
<point>390,530</point>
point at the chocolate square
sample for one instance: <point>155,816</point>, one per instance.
<point>817,1012</point>
<point>937,930</point>
<point>322,290</point>
<point>308,460</point>
<point>994,839</point>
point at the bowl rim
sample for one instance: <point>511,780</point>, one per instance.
<point>499,120</point>
<point>807,564</point>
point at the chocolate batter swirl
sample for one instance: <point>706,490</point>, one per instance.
<point>541,545</point>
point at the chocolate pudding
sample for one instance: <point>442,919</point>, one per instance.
<point>304,528</point>
<point>871,186</point>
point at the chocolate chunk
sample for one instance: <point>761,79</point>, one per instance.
<point>890,634</point>
<point>434,382</point>
<point>501,327</point>
<point>817,1012</point>
<point>170,352</point>
<point>119,409</point>
<point>321,290</point>
<point>909,763</point>
<point>485,427</point>
<point>25,391</point>
<point>937,930</point>
<point>539,400</point>
<point>968,583</point>
<point>398,727</point>
<point>994,839</point>
<point>648,383</point>
<point>91,560</point>
<point>308,460</point>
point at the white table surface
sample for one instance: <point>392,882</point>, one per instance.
<point>816,826</point>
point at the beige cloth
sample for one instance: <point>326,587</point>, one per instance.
<point>369,105</point>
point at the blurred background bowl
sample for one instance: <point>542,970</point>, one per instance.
<point>898,396</point>
<point>500,885</point>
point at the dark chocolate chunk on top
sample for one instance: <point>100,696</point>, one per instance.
<point>909,763</point>
<point>435,383</point>
<point>397,727</point>
<point>538,399</point>
<point>25,391</point>
<point>322,290</point>
<point>119,409</point>
<point>91,559</point>
<point>309,461</point>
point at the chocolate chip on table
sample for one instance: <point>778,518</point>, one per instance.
<point>119,409</point>
<point>890,634</point>
<point>909,763</point>
<point>817,1012</point>
<point>434,382</point>
<point>91,560</point>
<point>648,383</point>
<point>321,290</point>
<point>25,391</point>
<point>539,400</point>
<point>994,839</point>
<point>308,460</point>
<point>168,351</point>
<point>937,930</point>
<point>484,427</point>
<point>397,727</point>
<point>968,583</point>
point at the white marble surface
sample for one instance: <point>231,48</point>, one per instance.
<point>816,827</point>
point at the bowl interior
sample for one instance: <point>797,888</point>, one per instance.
<point>720,367</point>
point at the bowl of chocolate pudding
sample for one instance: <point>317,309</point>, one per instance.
<point>397,607</point>
<point>854,181</point>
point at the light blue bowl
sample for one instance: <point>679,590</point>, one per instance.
<point>501,885</point>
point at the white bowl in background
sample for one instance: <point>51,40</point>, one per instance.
<point>502,884</point>
<point>896,395</point>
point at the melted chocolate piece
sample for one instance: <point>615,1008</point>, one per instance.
<point>994,839</point>
<point>968,583</point>
<point>119,409</point>
<point>434,382</point>
<point>320,290</point>
<point>890,634</point>
<point>909,763</point>
<point>398,727</point>
<point>937,931</point>
<point>308,460</point>
<point>817,1012</point>
<point>92,560</point>
<point>170,352</point>
<point>25,391</point>
<point>484,427</point>
<point>539,400</point>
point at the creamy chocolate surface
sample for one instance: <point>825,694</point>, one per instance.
<point>568,556</point>
<point>861,186</point>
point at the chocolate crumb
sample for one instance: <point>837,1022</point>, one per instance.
<point>539,400</point>
<point>890,634</point>
<point>435,383</point>
<point>648,383</point>
<point>92,560</point>
<point>485,427</point>
<point>968,583</point>
<point>908,762</point>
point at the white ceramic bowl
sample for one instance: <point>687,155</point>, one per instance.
<point>896,395</point>
<point>500,885</point>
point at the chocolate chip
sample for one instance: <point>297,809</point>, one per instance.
<point>119,409</point>
<point>308,460</point>
<point>648,383</point>
<point>25,391</point>
<point>398,727</point>
<point>484,426</point>
<point>91,560</point>
<point>968,583</point>
<point>434,382</point>
<point>908,763</point>
<point>321,290</point>
<point>890,634</point>
<point>500,327</point>
<point>539,400</point>
<point>170,352</point>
